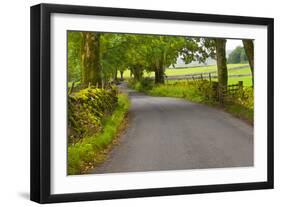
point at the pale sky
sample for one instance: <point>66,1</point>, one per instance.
<point>231,44</point>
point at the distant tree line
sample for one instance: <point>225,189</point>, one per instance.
<point>238,55</point>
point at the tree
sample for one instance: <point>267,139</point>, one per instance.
<point>249,50</point>
<point>243,56</point>
<point>214,48</point>
<point>237,55</point>
<point>90,59</point>
<point>199,49</point>
<point>113,54</point>
<point>161,52</point>
<point>122,70</point>
<point>73,56</point>
<point>221,63</point>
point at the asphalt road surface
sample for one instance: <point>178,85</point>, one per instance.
<point>173,134</point>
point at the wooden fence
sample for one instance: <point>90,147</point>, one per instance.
<point>200,76</point>
<point>220,94</point>
<point>223,94</point>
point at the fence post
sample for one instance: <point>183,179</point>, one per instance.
<point>210,77</point>
<point>193,78</point>
<point>240,84</point>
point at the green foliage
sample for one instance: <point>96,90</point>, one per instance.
<point>138,53</point>
<point>242,104</point>
<point>73,56</point>
<point>86,110</point>
<point>245,97</point>
<point>198,49</point>
<point>145,84</point>
<point>196,91</point>
<point>241,112</point>
<point>238,55</point>
<point>90,151</point>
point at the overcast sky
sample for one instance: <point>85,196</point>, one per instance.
<point>232,44</point>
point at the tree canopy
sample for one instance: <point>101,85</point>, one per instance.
<point>238,55</point>
<point>95,58</point>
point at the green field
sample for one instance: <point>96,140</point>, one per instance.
<point>202,69</point>
<point>247,81</point>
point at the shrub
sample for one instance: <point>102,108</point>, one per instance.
<point>245,97</point>
<point>197,91</point>
<point>144,85</point>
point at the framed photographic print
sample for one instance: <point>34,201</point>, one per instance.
<point>133,103</point>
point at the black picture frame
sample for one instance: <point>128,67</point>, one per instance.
<point>41,96</point>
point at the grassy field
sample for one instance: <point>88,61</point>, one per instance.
<point>184,71</point>
<point>247,81</point>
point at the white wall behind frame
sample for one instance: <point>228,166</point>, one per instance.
<point>14,153</point>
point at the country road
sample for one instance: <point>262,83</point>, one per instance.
<point>172,134</point>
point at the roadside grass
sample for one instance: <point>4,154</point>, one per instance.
<point>185,91</point>
<point>240,111</point>
<point>92,150</point>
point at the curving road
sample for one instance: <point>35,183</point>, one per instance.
<point>173,134</point>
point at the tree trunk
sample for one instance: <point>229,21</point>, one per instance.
<point>159,75</point>
<point>249,50</point>
<point>97,75</point>
<point>159,70</point>
<point>86,58</point>
<point>121,75</point>
<point>90,58</point>
<point>221,65</point>
<point>137,72</point>
<point>156,76</point>
<point>116,74</point>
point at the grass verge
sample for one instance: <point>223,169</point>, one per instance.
<point>91,151</point>
<point>241,112</point>
<point>190,93</point>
